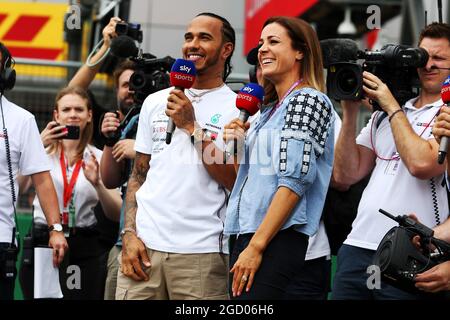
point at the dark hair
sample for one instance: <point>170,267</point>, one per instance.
<point>435,30</point>
<point>121,67</point>
<point>303,38</point>
<point>6,56</point>
<point>228,35</point>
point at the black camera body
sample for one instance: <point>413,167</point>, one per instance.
<point>132,30</point>
<point>151,75</point>
<point>112,139</point>
<point>395,65</point>
<point>398,258</point>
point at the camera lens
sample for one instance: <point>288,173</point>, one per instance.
<point>346,81</point>
<point>137,80</point>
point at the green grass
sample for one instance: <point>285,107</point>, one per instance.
<point>24,222</point>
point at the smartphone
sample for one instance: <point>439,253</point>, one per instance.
<point>73,132</point>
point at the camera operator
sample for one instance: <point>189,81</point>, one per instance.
<point>21,150</point>
<point>116,162</point>
<point>403,155</point>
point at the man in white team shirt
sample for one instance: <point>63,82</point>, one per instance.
<point>173,241</point>
<point>27,156</point>
<point>406,176</point>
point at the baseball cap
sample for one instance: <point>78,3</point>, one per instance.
<point>252,56</point>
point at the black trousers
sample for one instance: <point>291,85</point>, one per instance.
<point>82,273</point>
<point>6,281</point>
<point>283,257</point>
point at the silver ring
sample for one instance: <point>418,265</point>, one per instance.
<point>244,278</point>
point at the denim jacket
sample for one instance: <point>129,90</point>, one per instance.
<point>293,148</point>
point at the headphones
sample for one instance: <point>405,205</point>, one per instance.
<point>7,73</point>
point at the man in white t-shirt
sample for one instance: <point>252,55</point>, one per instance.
<point>21,150</point>
<point>406,176</point>
<point>173,241</point>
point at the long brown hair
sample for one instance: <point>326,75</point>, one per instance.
<point>86,134</point>
<point>303,38</point>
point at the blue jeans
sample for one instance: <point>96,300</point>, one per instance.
<point>311,282</point>
<point>284,255</point>
<point>350,281</point>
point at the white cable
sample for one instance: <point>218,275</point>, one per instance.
<point>88,63</point>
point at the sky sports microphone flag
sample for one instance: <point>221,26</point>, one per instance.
<point>182,76</point>
<point>445,95</point>
<point>248,101</point>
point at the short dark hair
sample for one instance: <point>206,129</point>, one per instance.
<point>121,67</point>
<point>6,56</point>
<point>435,30</point>
<point>228,35</point>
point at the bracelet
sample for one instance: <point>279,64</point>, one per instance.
<point>394,113</point>
<point>125,230</point>
<point>88,60</point>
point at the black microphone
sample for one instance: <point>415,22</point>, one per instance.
<point>445,95</point>
<point>124,47</point>
<point>338,50</point>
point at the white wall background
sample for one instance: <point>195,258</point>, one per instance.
<point>164,23</point>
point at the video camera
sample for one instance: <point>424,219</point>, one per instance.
<point>394,64</point>
<point>400,260</point>
<point>151,75</point>
<point>132,30</point>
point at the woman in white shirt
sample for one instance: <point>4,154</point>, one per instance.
<point>76,176</point>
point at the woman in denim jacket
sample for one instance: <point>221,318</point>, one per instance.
<point>285,165</point>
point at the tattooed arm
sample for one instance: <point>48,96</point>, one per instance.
<point>134,253</point>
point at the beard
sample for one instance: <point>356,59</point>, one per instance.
<point>124,107</point>
<point>210,63</point>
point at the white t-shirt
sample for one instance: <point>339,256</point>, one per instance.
<point>27,157</point>
<point>318,245</point>
<point>391,186</point>
<point>181,208</point>
<point>85,197</point>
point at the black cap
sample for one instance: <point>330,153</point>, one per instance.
<point>252,56</point>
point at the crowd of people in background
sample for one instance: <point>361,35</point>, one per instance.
<point>196,225</point>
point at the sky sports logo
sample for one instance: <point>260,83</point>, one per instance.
<point>185,69</point>
<point>183,77</point>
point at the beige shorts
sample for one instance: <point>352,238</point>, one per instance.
<point>177,276</point>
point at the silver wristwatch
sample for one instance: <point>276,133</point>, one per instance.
<point>55,227</point>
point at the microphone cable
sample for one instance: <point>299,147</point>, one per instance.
<point>10,173</point>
